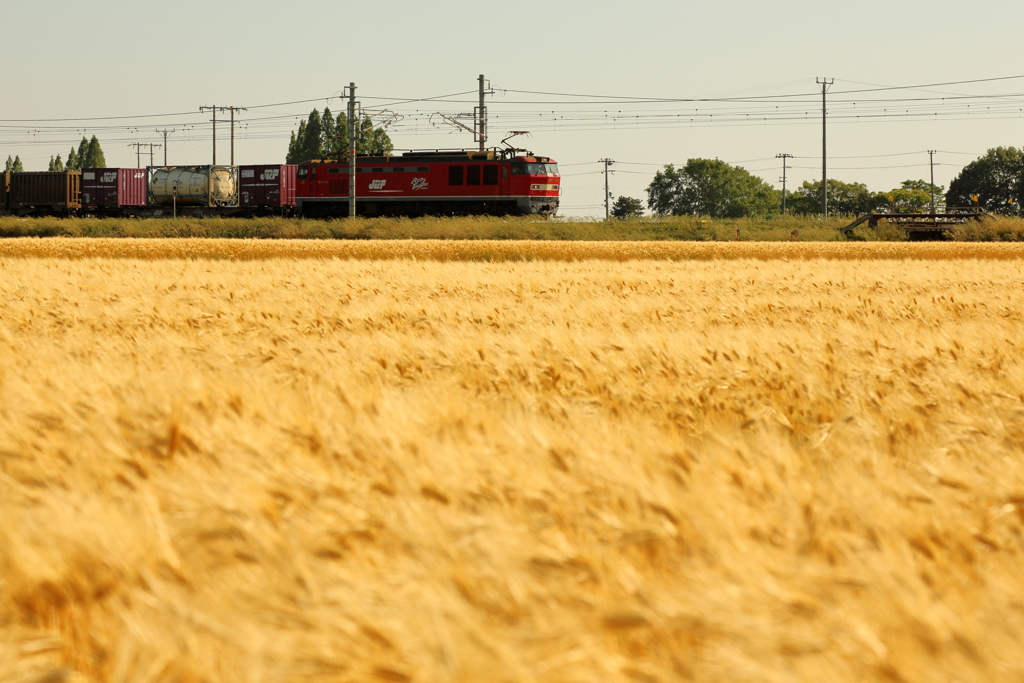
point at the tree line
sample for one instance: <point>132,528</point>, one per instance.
<point>709,187</point>
<point>88,155</point>
<point>324,136</point>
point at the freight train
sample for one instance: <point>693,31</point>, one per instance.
<point>447,183</point>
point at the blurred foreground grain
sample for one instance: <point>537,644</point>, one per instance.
<point>334,469</point>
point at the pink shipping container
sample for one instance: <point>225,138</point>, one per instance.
<point>268,186</point>
<point>113,188</point>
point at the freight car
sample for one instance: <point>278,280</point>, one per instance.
<point>452,182</point>
<point>203,191</point>
<point>113,190</point>
<point>210,187</point>
<point>432,183</point>
<point>267,188</point>
<point>44,193</point>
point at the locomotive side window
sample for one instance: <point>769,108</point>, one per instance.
<point>539,169</point>
<point>519,168</point>
<point>491,174</point>
<point>504,171</point>
<point>455,175</point>
<point>301,173</point>
<point>472,175</point>
<point>422,169</point>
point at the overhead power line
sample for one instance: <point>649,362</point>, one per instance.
<point>932,85</point>
<point>759,97</point>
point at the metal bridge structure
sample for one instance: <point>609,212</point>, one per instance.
<point>923,225</point>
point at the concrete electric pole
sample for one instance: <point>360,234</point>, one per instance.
<point>138,151</point>
<point>607,193</point>
<point>783,157</point>
<point>215,109</point>
<point>481,112</point>
<point>352,128</point>
<point>825,83</point>
<point>931,165</point>
<point>233,110</point>
<point>165,133</point>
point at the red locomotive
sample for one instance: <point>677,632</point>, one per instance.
<point>439,183</point>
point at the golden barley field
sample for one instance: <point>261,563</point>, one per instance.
<point>315,463</point>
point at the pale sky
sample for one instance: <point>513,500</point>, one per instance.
<point>155,64</point>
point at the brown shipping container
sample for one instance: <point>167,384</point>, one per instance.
<point>51,190</point>
<point>111,188</point>
<point>267,185</point>
<point>5,189</point>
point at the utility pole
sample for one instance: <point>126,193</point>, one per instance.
<point>931,165</point>
<point>138,151</point>
<point>233,110</point>
<point>352,150</point>
<point>481,112</point>
<point>165,133</point>
<point>825,83</point>
<point>607,194</point>
<point>215,109</point>
<point>783,157</point>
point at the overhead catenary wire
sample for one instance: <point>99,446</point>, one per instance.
<point>282,125</point>
<point>554,113</point>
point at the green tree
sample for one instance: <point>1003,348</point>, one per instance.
<point>312,143</point>
<point>291,149</point>
<point>336,141</point>
<point>58,165</point>
<point>997,178</point>
<point>330,144</point>
<point>627,207</point>
<point>83,154</point>
<point>72,163</point>
<point>341,144</point>
<point>924,186</point>
<point>94,157</point>
<point>910,195</point>
<point>373,140</point>
<point>17,166</point>
<point>709,187</point>
<point>663,190</point>
<point>9,165</point>
<point>852,198</point>
<point>295,145</point>
<point>322,136</point>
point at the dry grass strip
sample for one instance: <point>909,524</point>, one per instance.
<point>496,250</point>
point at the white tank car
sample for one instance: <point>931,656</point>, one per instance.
<point>196,185</point>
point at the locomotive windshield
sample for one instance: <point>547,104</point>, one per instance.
<point>522,168</point>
